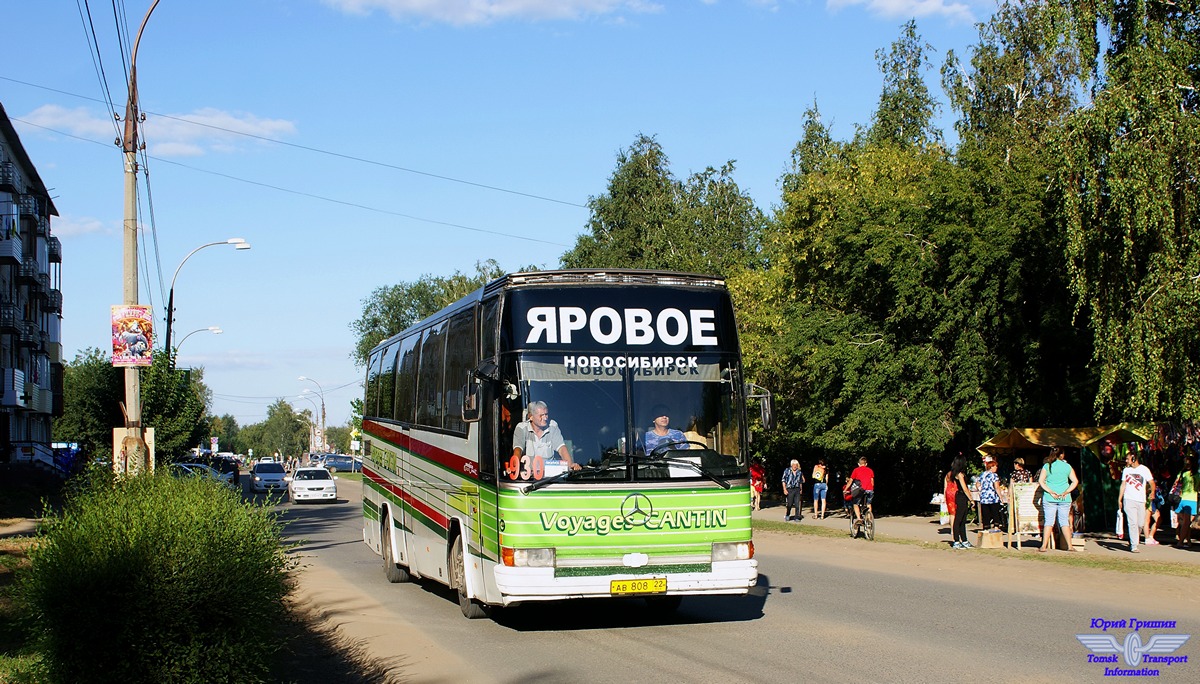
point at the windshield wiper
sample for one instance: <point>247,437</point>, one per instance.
<point>681,462</point>
<point>569,475</point>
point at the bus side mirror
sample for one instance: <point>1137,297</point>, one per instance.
<point>470,394</point>
<point>766,404</point>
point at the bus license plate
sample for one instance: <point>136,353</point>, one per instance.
<point>654,585</point>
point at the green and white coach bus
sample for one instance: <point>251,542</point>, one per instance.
<point>506,442</point>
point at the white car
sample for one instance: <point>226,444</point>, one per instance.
<point>200,470</point>
<point>267,477</point>
<point>312,484</point>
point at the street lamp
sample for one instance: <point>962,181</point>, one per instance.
<point>311,442</point>
<point>321,391</point>
<point>238,244</point>
<point>216,330</point>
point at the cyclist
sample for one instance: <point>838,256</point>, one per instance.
<point>865,492</point>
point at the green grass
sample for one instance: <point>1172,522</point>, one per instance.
<point>1078,560</point>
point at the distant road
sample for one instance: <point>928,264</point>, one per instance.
<point>825,610</point>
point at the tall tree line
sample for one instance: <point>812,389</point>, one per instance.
<point>906,299</point>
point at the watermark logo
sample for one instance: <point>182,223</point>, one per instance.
<point>1144,657</point>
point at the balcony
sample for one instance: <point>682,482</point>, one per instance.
<point>30,335</point>
<point>43,280</point>
<point>12,388</point>
<point>10,178</point>
<point>53,300</point>
<point>55,351</point>
<point>9,322</point>
<point>11,251</point>
<point>54,249</point>
<point>29,270</point>
<point>34,205</point>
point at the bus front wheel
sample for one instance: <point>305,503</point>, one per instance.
<point>471,609</point>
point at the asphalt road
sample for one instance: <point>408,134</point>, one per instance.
<point>825,610</point>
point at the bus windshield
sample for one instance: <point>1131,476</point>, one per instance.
<point>648,417</point>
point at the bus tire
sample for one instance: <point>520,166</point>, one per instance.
<point>471,609</point>
<point>391,569</point>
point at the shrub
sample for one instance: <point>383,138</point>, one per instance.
<point>157,579</point>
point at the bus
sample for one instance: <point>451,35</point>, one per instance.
<point>461,487</point>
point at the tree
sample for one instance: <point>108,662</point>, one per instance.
<point>284,432</point>
<point>173,403</point>
<point>1127,192</point>
<point>225,429</point>
<point>92,390</point>
<point>649,219</point>
<point>339,438</point>
<point>904,115</point>
<point>392,308</point>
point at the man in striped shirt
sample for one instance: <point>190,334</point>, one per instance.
<point>793,491</point>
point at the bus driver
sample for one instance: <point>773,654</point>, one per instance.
<point>538,447</point>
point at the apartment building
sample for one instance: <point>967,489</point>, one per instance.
<point>31,350</point>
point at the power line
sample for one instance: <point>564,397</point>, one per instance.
<point>365,207</point>
<point>317,150</point>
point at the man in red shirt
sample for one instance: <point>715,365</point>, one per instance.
<point>865,492</point>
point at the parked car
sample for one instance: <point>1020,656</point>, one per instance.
<point>199,470</point>
<point>312,484</point>
<point>267,477</point>
<point>343,463</point>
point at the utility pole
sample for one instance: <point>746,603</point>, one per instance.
<point>133,446</point>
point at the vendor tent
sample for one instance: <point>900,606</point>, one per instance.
<point>1091,463</point>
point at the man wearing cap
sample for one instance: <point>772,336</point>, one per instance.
<point>661,435</point>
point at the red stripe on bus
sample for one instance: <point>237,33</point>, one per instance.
<point>452,461</point>
<point>407,498</point>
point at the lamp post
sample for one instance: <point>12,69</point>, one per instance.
<point>133,445</point>
<point>321,392</point>
<point>311,442</point>
<point>216,330</point>
<point>238,244</point>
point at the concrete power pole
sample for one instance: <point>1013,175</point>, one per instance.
<point>134,444</point>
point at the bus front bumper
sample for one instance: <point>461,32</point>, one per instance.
<point>540,584</point>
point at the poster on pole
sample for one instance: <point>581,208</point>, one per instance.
<point>132,335</point>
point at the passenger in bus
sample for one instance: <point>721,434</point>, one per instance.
<point>661,433</point>
<point>538,446</point>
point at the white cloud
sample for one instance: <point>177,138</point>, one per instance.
<point>68,226</point>
<point>907,9</point>
<point>80,121</point>
<point>166,135</point>
<point>465,12</point>
<point>190,135</point>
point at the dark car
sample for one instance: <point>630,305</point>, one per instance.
<point>341,463</point>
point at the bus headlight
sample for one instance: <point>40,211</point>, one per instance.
<point>728,551</point>
<point>527,558</point>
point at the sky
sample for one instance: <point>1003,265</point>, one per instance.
<point>357,144</point>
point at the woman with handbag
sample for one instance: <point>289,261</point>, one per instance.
<point>1185,483</point>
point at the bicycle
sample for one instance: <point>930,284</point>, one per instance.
<point>865,525</point>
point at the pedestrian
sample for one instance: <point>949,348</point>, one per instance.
<point>958,477</point>
<point>1157,503</point>
<point>1186,509</point>
<point>1057,480</point>
<point>793,491</point>
<point>1136,484</point>
<point>1020,475</point>
<point>820,489</point>
<point>989,497</point>
<point>757,481</point>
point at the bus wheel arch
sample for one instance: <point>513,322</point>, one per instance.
<point>392,570</point>
<point>471,608</point>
